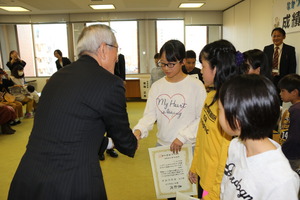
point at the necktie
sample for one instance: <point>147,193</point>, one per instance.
<point>275,59</point>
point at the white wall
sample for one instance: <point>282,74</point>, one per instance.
<point>248,25</point>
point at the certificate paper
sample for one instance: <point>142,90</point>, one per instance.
<point>170,171</point>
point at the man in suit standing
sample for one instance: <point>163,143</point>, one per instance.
<point>78,105</point>
<point>120,67</point>
<point>281,57</point>
<point>120,71</point>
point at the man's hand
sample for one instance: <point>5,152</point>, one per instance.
<point>137,133</point>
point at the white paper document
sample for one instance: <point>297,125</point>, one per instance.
<point>181,196</point>
<point>170,171</point>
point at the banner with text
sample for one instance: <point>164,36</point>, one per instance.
<point>286,14</point>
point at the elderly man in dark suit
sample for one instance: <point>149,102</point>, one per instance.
<point>281,57</point>
<point>78,105</point>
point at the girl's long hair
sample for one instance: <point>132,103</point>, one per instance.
<point>221,55</point>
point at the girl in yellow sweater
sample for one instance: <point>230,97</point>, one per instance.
<point>219,62</point>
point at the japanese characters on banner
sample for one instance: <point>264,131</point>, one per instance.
<point>286,14</point>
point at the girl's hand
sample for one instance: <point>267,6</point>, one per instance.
<point>137,133</point>
<point>193,177</point>
<point>176,146</point>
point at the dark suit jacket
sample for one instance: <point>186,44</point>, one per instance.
<point>65,62</point>
<point>287,60</point>
<point>120,68</point>
<point>78,105</point>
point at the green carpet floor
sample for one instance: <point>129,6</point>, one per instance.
<point>125,178</point>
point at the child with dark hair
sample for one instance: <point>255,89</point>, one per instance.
<point>256,168</point>
<point>33,94</point>
<point>174,101</point>
<point>256,62</point>
<point>156,72</point>
<point>219,62</point>
<point>190,65</point>
<point>290,92</point>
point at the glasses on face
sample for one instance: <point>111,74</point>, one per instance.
<point>169,65</point>
<point>113,46</point>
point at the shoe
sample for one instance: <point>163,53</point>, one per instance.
<point>13,123</point>
<point>6,129</point>
<point>102,157</point>
<point>28,115</point>
<point>11,130</point>
<point>112,153</point>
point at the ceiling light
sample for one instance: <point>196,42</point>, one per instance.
<point>191,5</point>
<point>14,8</point>
<point>103,7</point>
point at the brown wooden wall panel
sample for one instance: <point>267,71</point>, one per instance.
<point>133,88</point>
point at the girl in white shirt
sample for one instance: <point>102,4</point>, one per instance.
<point>174,101</point>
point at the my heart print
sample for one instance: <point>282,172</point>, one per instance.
<point>171,106</point>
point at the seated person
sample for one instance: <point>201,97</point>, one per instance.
<point>6,82</point>
<point>7,114</point>
<point>17,76</point>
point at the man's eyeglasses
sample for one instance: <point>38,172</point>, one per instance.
<point>169,65</point>
<point>113,46</point>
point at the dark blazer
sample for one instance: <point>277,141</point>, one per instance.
<point>287,60</point>
<point>120,68</point>
<point>65,62</point>
<point>78,105</point>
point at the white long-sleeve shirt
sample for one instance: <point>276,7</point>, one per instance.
<point>265,176</point>
<point>176,107</point>
<point>35,96</point>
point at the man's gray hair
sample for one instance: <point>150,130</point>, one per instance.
<point>93,36</point>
